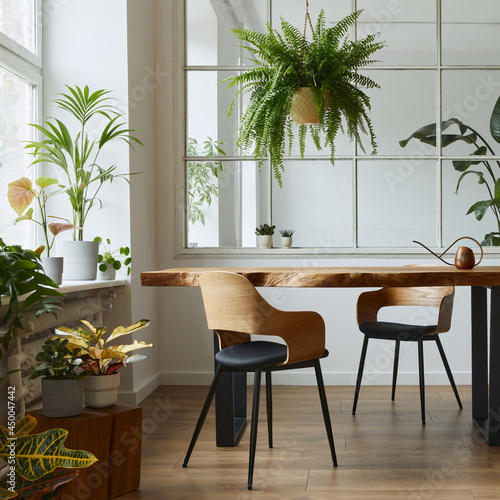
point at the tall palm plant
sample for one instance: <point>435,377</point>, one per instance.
<point>78,155</point>
<point>284,63</point>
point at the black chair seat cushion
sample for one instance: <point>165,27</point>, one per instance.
<point>254,354</point>
<point>394,331</point>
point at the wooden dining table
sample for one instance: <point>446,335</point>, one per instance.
<point>231,395</point>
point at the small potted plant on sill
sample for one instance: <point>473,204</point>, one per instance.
<point>290,74</point>
<point>21,273</point>
<point>109,261</point>
<point>101,360</point>
<point>21,194</point>
<point>78,156</point>
<point>62,382</point>
<point>265,235</point>
<point>286,237</point>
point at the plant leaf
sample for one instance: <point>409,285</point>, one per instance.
<point>43,182</point>
<point>59,227</point>
<point>122,330</point>
<point>20,194</point>
<point>495,121</point>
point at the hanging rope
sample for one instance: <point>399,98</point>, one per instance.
<point>307,17</point>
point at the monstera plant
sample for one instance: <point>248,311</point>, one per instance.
<point>287,69</point>
<point>454,130</point>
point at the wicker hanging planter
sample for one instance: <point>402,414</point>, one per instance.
<point>303,108</point>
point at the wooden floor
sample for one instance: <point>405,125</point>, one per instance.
<point>384,453</point>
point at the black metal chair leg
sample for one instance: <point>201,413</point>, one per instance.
<point>269,407</point>
<point>448,371</point>
<point>204,411</point>
<point>395,370</point>
<point>421,376</point>
<point>324,407</point>
<point>360,374</point>
<point>253,430</point>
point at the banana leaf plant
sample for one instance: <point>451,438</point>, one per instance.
<point>453,130</point>
<point>78,155</point>
<point>40,464</point>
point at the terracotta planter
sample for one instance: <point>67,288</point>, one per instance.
<point>303,109</point>
<point>101,391</point>
<point>62,398</point>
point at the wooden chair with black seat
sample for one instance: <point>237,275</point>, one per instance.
<point>368,306</point>
<point>235,310</point>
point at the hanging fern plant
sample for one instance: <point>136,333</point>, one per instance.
<point>287,62</point>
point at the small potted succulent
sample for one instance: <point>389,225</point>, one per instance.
<point>265,235</point>
<point>21,194</point>
<point>101,360</point>
<point>62,382</point>
<point>286,237</point>
<point>109,261</point>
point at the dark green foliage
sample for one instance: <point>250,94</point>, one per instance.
<point>487,177</point>
<point>57,361</point>
<point>21,273</point>
<point>109,257</point>
<point>284,62</point>
<point>264,230</point>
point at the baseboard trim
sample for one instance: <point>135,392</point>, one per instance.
<point>132,398</point>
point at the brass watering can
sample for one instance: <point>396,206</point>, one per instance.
<point>464,258</point>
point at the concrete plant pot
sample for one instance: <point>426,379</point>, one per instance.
<point>101,391</point>
<point>62,398</point>
<point>80,259</point>
<point>53,267</point>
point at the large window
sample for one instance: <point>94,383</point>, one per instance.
<point>20,84</point>
<point>440,62</point>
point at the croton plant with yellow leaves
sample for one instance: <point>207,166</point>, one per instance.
<point>98,356</point>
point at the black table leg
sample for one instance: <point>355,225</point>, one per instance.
<point>230,405</point>
<point>486,401</point>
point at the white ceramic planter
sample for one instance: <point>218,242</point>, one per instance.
<point>62,398</point>
<point>80,259</point>
<point>286,241</point>
<point>101,391</point>
<point>109,274</point>
<point>53,267</point>
<point>265,240</point>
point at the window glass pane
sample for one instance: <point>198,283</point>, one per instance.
<point>315,201</point>
<point>210,41</point>
<point>396,203</point>
<point>408,28</point>
<point>397,112</point>
<point>470,96</point>
<point>16,111</point>
<point>456,205</point>
<point>470,32</point>
<point>229,220</point>
<point>17,21</point>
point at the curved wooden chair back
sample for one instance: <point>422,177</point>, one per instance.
<point>369,303</point>
<point>235,310</point>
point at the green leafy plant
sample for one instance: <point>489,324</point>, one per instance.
<point>21,194</point>
<point>35,461</point>
<point>109,257</point>
<point>21,273</point>
<point>453,130</point>
<point>78,155</point>
<point>202,177</point>
<point>98,357</point>
<point>264,230</point>
<point>58,361</point>
<point>283,63</point>
<point>287,233</point>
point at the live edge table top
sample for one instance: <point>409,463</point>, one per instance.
<point>324,277</point>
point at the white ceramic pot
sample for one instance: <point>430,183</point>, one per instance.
<point>286,241</point>
<point>53,267</point>
<point>109,274</point>
<point>265,240</point>
<point>80,259</point>
<point>62,398</point>
<point>101,391</point>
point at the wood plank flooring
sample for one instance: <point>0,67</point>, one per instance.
<point>384,452</point>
